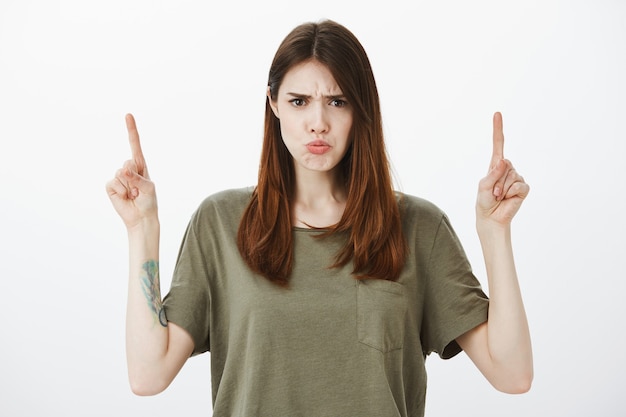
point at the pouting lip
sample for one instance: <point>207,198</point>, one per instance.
<point>318,142</point>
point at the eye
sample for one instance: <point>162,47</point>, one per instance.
<point>297,102</point>
<point>338,103</point>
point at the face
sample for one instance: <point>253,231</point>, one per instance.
<point>315,118</point>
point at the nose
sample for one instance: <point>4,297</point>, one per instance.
<point>318,122</point>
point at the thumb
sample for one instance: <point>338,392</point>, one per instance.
<point>496,171</point>
<point>493,182</point>
<point>138,184</point>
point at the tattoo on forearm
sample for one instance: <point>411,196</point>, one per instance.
<point>151,290</point>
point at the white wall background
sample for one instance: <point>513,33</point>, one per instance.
<point>194,74</point>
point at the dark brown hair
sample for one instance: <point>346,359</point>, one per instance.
<point>371,220</point>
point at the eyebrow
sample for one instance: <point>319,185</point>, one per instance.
<point>327,97</point>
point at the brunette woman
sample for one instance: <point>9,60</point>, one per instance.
<point>320,291</point>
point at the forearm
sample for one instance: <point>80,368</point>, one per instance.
<point>508,335</point>
<point>146,326</point>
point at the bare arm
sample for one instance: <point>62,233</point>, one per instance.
<point>501,347</point>
<point>156,350</point>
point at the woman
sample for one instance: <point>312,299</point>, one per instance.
<point>321,290</point>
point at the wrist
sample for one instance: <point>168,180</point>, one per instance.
<point>146,228</point>
<point>492,230</point>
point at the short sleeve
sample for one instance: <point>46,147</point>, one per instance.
<point>187,303</point>
<point>454,300</point>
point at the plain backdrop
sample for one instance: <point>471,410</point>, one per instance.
<point>194,74</point>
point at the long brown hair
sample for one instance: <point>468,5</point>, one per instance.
<point>371,220</point>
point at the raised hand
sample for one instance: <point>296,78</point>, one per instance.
<point>131,191</point>
<point>502,191</point>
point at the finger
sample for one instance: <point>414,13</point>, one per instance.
<point>495,180</point>
<point>135,145</point>
<point>117,188</point>
<point>498,140</point>
<point>127,176</point>
<point>121,186</point>
<point>135,183</point>
<point>499,185</point>
<point>512,177</point>
<point>518,189</point>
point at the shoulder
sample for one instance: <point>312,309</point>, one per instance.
<point>227,205</point>
<point>414,207</point>
<point>231,197</point>
<point>420,218</point>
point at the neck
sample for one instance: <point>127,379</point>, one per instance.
<point>319,200</point>
<point>317,187</point>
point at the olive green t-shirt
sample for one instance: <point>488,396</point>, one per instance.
<point>329,345</point>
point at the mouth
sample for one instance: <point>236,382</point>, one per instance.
<point>318,147</point>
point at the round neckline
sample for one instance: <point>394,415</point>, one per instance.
<point>308,229</point>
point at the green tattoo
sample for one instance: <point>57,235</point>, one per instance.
<point>151,290</point>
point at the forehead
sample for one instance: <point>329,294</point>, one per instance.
<point>310,78</point>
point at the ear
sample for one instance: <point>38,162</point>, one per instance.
<point>272,103</point>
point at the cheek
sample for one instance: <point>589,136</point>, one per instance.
<point>346,127</point>
<point>286,132</point>
<point>287,122</point>
<point>288,135</point>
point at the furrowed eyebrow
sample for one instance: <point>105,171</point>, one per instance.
<point>327,97</point>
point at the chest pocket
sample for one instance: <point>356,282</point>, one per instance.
<point>381,311</point>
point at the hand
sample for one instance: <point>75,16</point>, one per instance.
<point>502,191</point>
<point>131,191</point>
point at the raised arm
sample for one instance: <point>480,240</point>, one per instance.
<point>155,349</point>
<point>501,348</point>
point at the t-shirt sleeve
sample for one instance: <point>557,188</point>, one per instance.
<point>187,303</point>
<point>454,299</point>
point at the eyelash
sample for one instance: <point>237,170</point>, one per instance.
<point>299,102</point>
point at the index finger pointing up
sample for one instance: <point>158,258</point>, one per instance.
<point>135,145</point>
<point>498,140</point>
